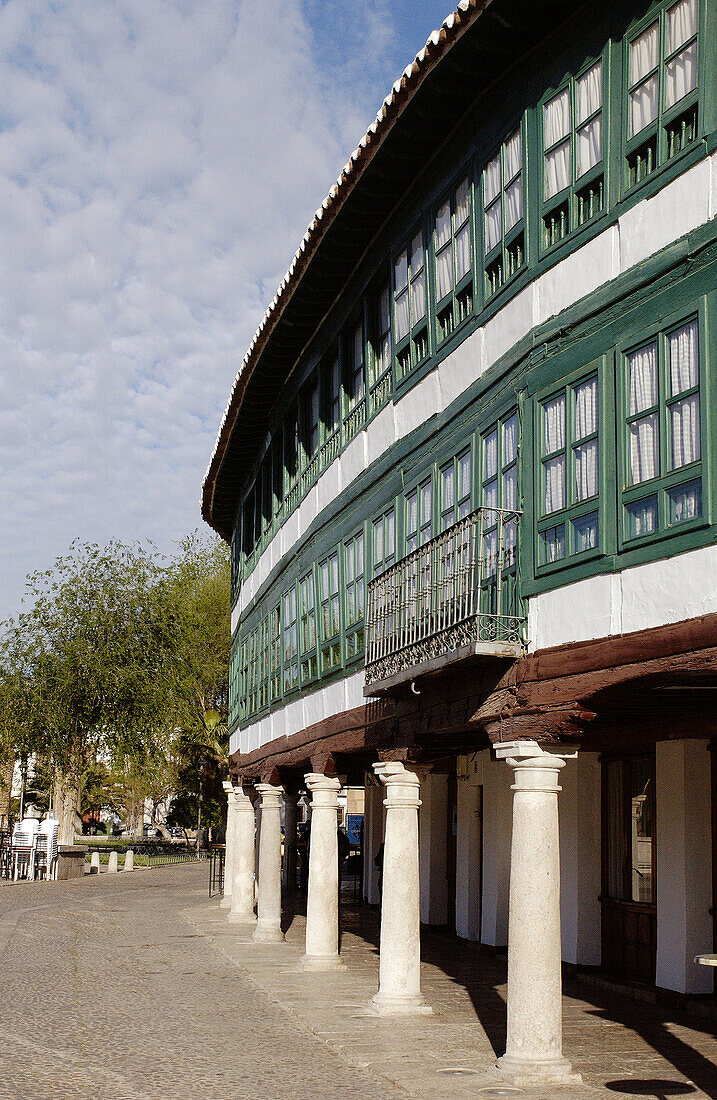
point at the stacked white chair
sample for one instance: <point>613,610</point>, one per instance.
<point>46,848</point>
<point>24,837</point>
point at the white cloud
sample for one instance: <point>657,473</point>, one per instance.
<point>159,162</point>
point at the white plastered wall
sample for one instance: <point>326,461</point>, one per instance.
<point>684,865</point>
<point>433,848</point>
<point>469,847</point>
<point>579,809</point>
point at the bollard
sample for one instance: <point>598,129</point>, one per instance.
<point>129,860</point>
<point>112,862</point>
<point>95,863</point>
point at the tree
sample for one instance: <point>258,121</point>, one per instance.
<point>85,672</point>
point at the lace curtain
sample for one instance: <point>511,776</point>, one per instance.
<point>643,98</point>
<point>684,375</point>
<point>586,455</point>
<point>554,440</point>
<point>556,125</point>
<point>644,433</point>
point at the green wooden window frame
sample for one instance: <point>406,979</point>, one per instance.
<point>661,104</point>
<point>331,407</point>
<point>419,512</point>
<point>570,458</point>
<point>573,136</point>
<point>499,450</point>
<point>453,283</point>
<point>504,206</point>
<point>311,420</point>
<point>354,594</point>
<point>306,611</point>
<point>330,656</point>
<point>354,376</point>
<point>290,640</point>
<point>379,359</point>
<point>274,648</point>
<point>455,487</point>
<point>664,492</point>
<point>410,305</point>
<point>383,540</point>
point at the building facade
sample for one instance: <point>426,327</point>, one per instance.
<point>468,475</point>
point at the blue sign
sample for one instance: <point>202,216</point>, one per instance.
<point>354,827</point>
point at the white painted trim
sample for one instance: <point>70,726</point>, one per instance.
<point>682,205</point>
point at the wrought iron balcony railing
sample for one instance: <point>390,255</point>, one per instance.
<point>454,597</point>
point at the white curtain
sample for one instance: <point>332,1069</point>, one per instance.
<point>643,378</point>
<point>463,202</point>
<point>586,408</point>
<point>586,470</point>
<point>686,502</point>
<point>643,517</point>
<point>681,75</point>
<point>444,274</point>
<point>643,105</point>
<point>681,23</point>
<point>589,146</point>
<point>685,416</point>
<point>514,203</point>
<point>418,297</point>
<point>449,487</point>
<point>557,170</point>
<point>490,495</point>
<point>426,503</point>
<point>586,532</point>
<point>554,543</point>
<point>390,536</point>
<point>510,440</point>
<point>416,253</point>
<point>443,225</point>
<point>402,314</point>
<point>513,153</point>
<point>589,93</point>
<point>643,54</point>
<point>554,484</point>
<point>412,513</point>
<point>464,476</point>
<point>556,118</point>
<point>684,358</point>
<point>554,425</point>
<point>644,449</point>
<point>491,181</point>
<point>384,316</point>
<point>463,252</point>
<point>493,226</point>
<point>490,455</point>
<point>510,488</point>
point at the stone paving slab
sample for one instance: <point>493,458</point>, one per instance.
<point>620,1047</point>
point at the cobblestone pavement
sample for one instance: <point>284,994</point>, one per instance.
<point>134,987</point>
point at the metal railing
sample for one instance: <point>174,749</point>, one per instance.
<point>216,869</point>
<point>149,853</point>
<point>458,590</point>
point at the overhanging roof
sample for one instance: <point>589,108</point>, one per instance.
<point>474,45</point>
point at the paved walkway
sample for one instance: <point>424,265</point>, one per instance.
<point>124,987</point>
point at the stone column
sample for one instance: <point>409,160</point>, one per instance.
<point>288,874</point>
<point>534,1045</point>
<point>322,906</point>
<point>242,910</point>
<point>268,911</point>
<point>399,990</point>
<point>226,901</point>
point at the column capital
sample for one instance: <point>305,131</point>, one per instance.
<point>242,800</point>
<point>227,787</point>
<point>324,789</point>
<point>269,795</point>
<point>402,786</point>
<point>535,768</point>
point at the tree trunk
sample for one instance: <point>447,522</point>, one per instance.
<point>66,800</point>
<point>135,817</point>
<point>7,769</point>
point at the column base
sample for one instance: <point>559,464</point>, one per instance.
<point>267,935</point>
<point>399,1006</point>
<point>226,902</point>
<point>536,1071</point>
<point>242,919</point>
<point>318,963</point>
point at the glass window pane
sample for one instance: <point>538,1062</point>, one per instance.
<point>554,485</point>
<point>464,475</point>
<point>643,378</point>
<point>554,424</point>
<point>490,495</point>
<point>443,225</point>
<point>412,513</point>
<point>493,226</point>
<point>418,296</point>
<point>681,23</point>
<point>416,253</point>
<point>557,170</point>
<point>384,315</point>
<point>463,252</point>
<point>589,146</point>
<point>586,408</point>
<point>513,155</point>
<point>556,118</point>
<point>490,455</point>
<point>463,202</point>
<point>585,533</point>
<point>510,488</point>
<point>426,503</point>
<point>491,181</point>
<point>448,488</point>
<point>684,358</point>
<point>685,502</point>
<point>589,93</point>
<point>402,315</point>
<point>514,203</point>
<point>643,53</point>
<point>641,517</point>
<point>641,800</point>
<point>510,440</point>
<point>390,536</point>
<point>554,543</point>
<point>685,422</point>
<point>401,271</point>
<point>444,274</point>
<point>644,449</point>
<point>681,75</point>
<point>586,470</point>
<point>643,105</point>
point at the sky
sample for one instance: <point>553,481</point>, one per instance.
<point>160,161</point>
